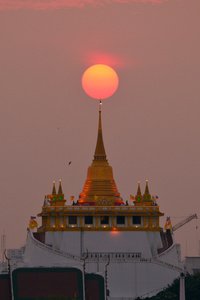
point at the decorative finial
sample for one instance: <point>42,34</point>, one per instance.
<point>54,189</point>
<point>100,104</point>
<point>60,188</point>
<point>139,190</point>
<point>147,196</point>
<point>147,188</point>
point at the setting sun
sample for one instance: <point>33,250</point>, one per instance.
<point>100,81</point>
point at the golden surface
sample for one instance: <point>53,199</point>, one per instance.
<point>100,187</point>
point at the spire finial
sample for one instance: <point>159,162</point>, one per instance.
<point>147,196</point>
<point>54,189</point>
<point>139,190</point>
<point>147,188</point>
<point>100,104</point>
<point>60,192</point>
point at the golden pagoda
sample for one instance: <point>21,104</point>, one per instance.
<point>100,187</point>
<point>99,206</point>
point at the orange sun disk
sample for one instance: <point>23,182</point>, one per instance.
<point>100,81</point>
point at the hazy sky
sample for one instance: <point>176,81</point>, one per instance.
<point>150,125</point>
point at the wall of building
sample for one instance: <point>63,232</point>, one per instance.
<point>172,255</point>
<point>78,242</point>
<point>127,277</point>
<point>38,254</point>
<point>192,265</point>
<point>129,280</point>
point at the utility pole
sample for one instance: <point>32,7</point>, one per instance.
<point>3,247</point>
<point>182,286</point>
<point>106,278</point>
<point>84,286</point>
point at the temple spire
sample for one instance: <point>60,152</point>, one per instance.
<point>147,196</point>
<point>147,188</point>
<point>100,187</point>
<point>54,189</point>
<point>60,192</point>
<point>138,197</point>
<point>100,153</point>
<point>139,190</point>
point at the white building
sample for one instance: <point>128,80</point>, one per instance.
<point>99,232</point>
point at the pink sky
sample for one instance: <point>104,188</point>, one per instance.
<point>61,4</point>
<point>150,125</point>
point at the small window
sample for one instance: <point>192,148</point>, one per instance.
<point>72,220</point>
<point>88,220</point>
<point>105,220</point>
<point>136,220</point>
<point>120,220</point>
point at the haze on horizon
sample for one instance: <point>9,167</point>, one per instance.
<point>150,125</point>
<point>64,4</point>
